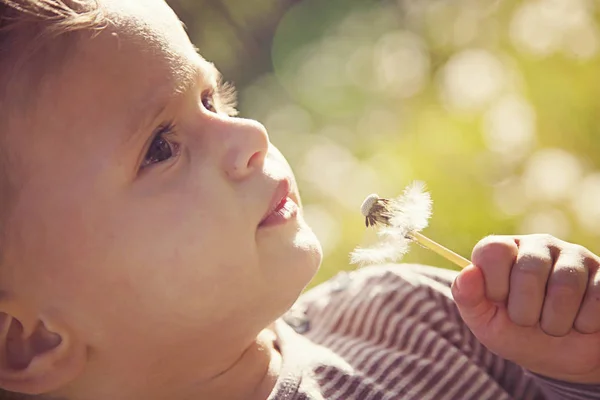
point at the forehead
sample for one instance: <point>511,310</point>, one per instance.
<point>145,35</point>
<point>110,82</point>
<point>142,54</point>
<point>151,23</point>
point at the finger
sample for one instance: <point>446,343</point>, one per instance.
<point>495,255</point>
<point>488,321</point>
<point>468,290</point>
<point>528,279</point>
<point>564,293</point>
<point>588,319</point>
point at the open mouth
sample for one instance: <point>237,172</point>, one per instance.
<point>282,208</point>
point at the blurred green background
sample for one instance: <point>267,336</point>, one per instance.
<point>494,104</point>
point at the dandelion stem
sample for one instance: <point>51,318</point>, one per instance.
<point>441,250</point>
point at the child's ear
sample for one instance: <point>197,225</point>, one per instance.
<point>36,355</point>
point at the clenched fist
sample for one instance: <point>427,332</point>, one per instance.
<point>535,300</point>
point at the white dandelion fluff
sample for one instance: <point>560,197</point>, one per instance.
<point>412,210</point>
<point>402,219</point>
<point>384,251</point>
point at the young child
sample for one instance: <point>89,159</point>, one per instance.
<point>152,242</point>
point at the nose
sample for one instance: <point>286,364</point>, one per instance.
<point>246,146</point>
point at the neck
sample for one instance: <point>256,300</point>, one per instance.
<point>253,376</point>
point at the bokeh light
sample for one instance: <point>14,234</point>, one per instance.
<point>587,203</point>
<point>548,26</point>
<point>494,104</point>
<point>510,127</point>
<point>471,79</point>
<point>551,175</point>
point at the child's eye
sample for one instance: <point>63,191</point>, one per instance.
<point>161,149</point>
<point>208,101</point>
<point>221,99</point>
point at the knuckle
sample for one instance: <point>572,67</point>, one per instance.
<point>492,249</point>
<point>580,253</point>
<point>580,250</point>
<point>536,265</point>
<point>545,238</point>
<point>588,258</point>
<point>484,244</point>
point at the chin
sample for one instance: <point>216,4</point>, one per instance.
<point>308,243</point>
<point>292,265</point>
<point>306,261</point>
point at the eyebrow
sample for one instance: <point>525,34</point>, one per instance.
<point>195,71</point>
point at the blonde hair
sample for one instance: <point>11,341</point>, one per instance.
<point>36,36</point>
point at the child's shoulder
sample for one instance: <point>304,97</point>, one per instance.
<point>379,295</point>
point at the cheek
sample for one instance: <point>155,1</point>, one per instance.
<point>161,284</point>
<point>184,260</point>
<point>145,265</point>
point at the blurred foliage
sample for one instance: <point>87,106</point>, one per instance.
<point>494,104</point>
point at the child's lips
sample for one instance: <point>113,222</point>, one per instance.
<point>281,208</point>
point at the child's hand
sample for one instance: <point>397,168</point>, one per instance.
<point>535,300</point>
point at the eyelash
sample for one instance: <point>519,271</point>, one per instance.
<point>164,132</point>
<point>225,98</point>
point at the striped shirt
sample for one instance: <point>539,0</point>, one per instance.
<point>393,332</point>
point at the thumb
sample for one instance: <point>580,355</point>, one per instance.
<point>468,290</point>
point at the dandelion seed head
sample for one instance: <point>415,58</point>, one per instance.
<point>366,206</point>
<point>399,217</point>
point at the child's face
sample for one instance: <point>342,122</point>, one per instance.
<point>167,259</point>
